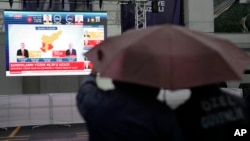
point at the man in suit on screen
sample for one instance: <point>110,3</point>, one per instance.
<point>22,52</point>
<point>71,52</point>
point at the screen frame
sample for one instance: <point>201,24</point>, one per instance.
<point>104,18</point>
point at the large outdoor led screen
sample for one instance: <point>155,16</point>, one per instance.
<point>45,43</point>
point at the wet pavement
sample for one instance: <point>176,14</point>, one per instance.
<point>69,132</point>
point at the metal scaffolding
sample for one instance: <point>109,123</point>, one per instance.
<point>140,14</point>
<point>1,21</point>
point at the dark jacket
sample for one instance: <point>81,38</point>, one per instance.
<point>127,113</point>
<point>26,53</point>
<point>213,115</point>
<point>72,53</point>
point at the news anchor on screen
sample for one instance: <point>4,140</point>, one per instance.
<point>22,52</point>
<point>71,52</point>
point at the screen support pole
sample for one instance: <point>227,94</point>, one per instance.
<point>140,14</point>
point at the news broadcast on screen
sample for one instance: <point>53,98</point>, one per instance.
<point>46,43</point>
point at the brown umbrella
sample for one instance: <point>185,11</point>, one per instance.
<point>168,56</point>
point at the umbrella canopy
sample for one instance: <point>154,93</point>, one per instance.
<point>168,56</point>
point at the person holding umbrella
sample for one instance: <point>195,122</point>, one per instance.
<point>216,115</point>
<point>130,112</point>
<point>182,59</point>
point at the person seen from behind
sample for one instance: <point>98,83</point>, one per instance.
<point>129,112</point>
<point>214,115</point>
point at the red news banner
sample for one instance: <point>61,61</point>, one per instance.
<point>46,66</point>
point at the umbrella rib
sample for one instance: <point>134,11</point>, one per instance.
<point>171,67</point>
